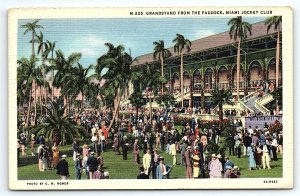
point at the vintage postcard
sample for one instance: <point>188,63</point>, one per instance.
<point>150,98</point>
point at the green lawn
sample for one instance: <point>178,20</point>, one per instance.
<point>120,169</point>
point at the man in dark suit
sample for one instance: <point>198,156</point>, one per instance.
<point>248,140</point>
<point>78,166</point>
<point>142,174</point>
<point>92,163</point>
<point>63,168</point>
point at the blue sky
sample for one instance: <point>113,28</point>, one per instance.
<point>89,35</point>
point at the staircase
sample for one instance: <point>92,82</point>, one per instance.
<point>252,103</point>
<point>256,103</point>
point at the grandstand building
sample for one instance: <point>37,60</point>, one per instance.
<point>212,62</point>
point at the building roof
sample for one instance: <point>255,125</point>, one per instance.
<point>213,41</point>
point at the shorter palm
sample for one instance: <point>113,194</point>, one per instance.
<point>219,98</point>
<point>57,127</point>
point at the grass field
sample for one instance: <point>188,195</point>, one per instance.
<point>126,169</point>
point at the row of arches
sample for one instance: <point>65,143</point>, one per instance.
<point>224,77</point>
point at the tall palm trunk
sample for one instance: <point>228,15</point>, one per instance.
<point>82,100</point>
<point>238,68</point>
<point>220,115</point>
<point>246,82</point>
<point>44,78</point>
<point>162,73</point>
<point>41,100</point>
<point>150,104</point>
<point>191,92</point>
<point>29,107</point>
<point>65,105</point>
<point>181,78</point>
<point>118,99</point>
<point>277,65</point>
<point>52,75</point>
<point>32,44</point>
<point>53,88</point>
<point>35,102</point>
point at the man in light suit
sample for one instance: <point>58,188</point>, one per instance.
<point>147,162</point>
<point>161,170</point>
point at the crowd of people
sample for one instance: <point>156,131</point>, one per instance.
<point>186,147</point>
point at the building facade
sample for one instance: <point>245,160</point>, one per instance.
<point>212,63</point>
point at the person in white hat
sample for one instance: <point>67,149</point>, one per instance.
<point>63,168</point>
<point>236,172</point>
<point>106,175</point>
<point>215,167</point>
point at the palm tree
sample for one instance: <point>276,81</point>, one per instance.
<point>219,98</point>
<point>31,27</point>
<point>32,79</point>
<point>58,128</point>
<point>49,48</point>
<point>64,67</point>
<point>92,93</point>
<point>276,22</point>
<point>117,63</point>
<point>161,53</point>
<point>239,31</point>
<point>79,81</point>
<point>180,44</point>
<point>23,88</point>
<point>151,80</point>
<point>277,95</point>
<point>137,100</point>
<point>41,46</point>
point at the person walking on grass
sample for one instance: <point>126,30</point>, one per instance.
<point>142,174</point>
<point>215,167</point>
<point>23,144</point>
<point>116,145</point>
<point>136,152</point>
<point>161,170</point>
<point>266,157</point>
<point>173,152</point>
<point>188,163</point>
<point>147,162</point>
<point>40,151</point>
<point>78,167</point>
<point>196,164</point>
<point>92,163</point>
<point>250,154</point>
<point>63,168</point>
<point>32,142</point>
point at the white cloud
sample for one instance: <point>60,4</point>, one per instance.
<point>92,40</point>
<point>88,52</point>
<point>204,33</point>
